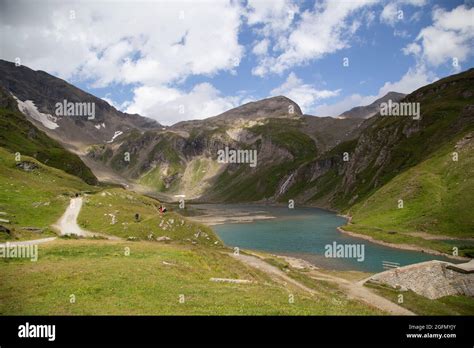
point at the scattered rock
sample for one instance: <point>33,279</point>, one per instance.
<point>163,239</point>
<point>38,204</point>
<point>27,166</point>
<point>114,219</point>
<point>33,229</point>
<point>228,280</point>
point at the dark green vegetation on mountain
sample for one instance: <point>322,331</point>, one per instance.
<point>20,136</point>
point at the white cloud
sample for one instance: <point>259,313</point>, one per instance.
<point>275,16</point>
<point>153,45</point>
<point>111,102</point>
<point>416,16</point>
<point>401,33</point>
<point>390,14</point>
<point>322,31</point>
<point>261,47</point>
<point>345,104</point>
<point>369,18</point>
<point>450,36</point>
<point>393,12</point>
<point>413,79</point>
<point>412,48</point>
<point>121,42</point>
<point>170,105</point>
<point>303,94</point>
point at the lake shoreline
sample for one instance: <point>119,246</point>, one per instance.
<point>256,215</point>
<point>409,247</point>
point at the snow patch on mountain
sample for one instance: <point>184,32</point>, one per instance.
<point>116,134</point>
<point>100,125</point>
<point>29,109</point>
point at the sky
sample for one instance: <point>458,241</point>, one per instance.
<point>180,60</point>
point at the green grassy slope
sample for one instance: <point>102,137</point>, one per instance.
<point>401,158</point>
<point>98,211</point>
<point>19,135</point>
<point>437,196</point>
<point>388,146</point>
<point>33,198</point>
<point>447,305</point>
<point>150,281</point>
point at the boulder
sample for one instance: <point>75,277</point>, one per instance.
<point>27,166</point>
<point>163,239</point>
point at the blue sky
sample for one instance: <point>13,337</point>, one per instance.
<point>184,60</point>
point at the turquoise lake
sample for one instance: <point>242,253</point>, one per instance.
<point>304,233</point>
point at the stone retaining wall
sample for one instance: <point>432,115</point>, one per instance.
<point>431,279</point>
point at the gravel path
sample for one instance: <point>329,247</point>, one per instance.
<point>354,290</point>
<point>67,224</point>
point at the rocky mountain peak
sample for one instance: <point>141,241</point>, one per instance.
<point>273,107</point>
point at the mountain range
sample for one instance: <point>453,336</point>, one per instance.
<point>353,163</point>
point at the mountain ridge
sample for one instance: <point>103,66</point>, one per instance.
<point>45,90</point>
<point>367,111</point>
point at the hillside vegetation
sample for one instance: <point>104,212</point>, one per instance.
<point>19,135</point>
<point>35,198</point>
<point>113,212</point>
<point>437,196</point>
<point>151,280</point>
